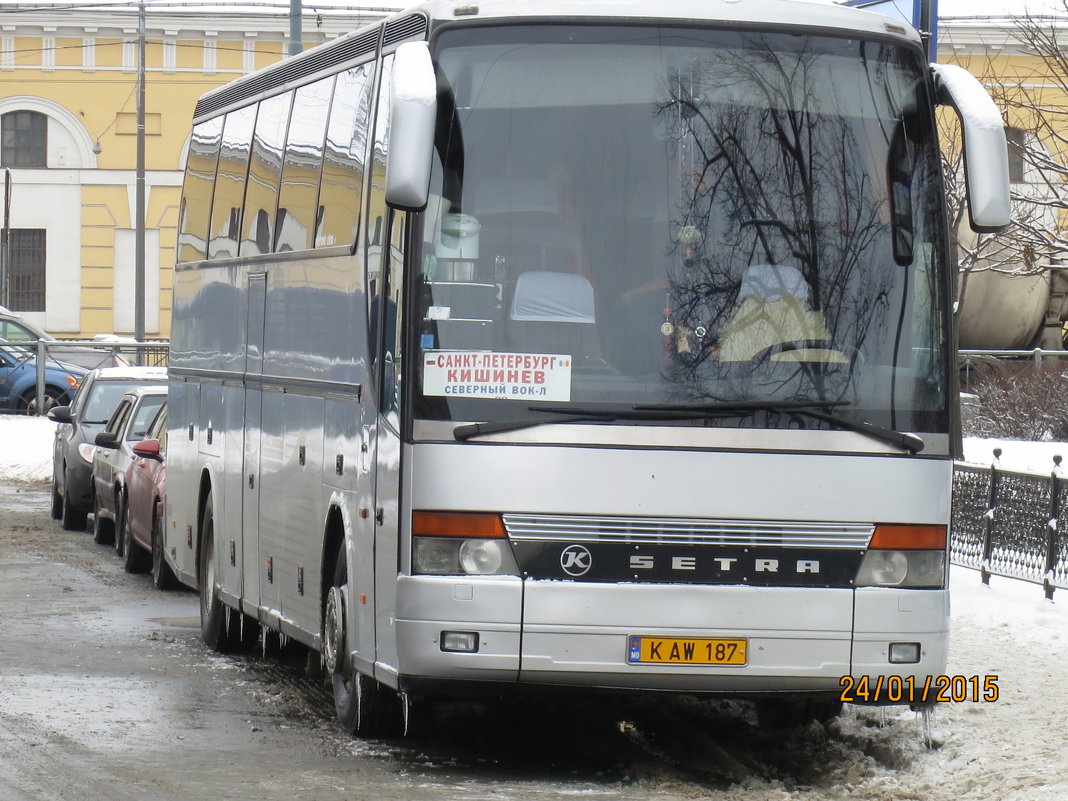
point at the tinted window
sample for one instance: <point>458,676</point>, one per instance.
<point>230,183</point>
<point>264,173</point>
<point>197,190</point>
<point>341,197</point>
<point>706,217</point>
<point>299,200</point>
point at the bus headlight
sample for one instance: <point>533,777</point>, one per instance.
<point>482,557</point>
<point>904,556</point>
<point>883,569</point>
<point>461,544</point>
<point>441,556</point>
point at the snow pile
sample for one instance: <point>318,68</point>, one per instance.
<point>25,448</point>
<point>1032,457</point>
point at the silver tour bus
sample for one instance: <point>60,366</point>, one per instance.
<point>566,344</point>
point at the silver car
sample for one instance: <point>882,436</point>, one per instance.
<point>114,453</point>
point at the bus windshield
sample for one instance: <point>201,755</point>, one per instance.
<point>627,216</point>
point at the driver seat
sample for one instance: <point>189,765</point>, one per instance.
<point>773,318</point>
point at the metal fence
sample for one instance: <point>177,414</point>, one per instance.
<point>1009,523</point>
<point>68,355</point>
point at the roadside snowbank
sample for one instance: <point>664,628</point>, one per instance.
<point>25,448</point>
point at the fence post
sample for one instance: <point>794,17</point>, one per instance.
<point>42,363</point>
<point>1051,527</point>
<point>992,502</point>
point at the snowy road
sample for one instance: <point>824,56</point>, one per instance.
<point>106,693</point>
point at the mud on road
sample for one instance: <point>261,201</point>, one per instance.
<point>108,694</point>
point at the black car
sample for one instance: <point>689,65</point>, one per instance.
<point>79,423</point>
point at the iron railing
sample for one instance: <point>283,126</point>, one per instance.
<point>68,354</point>
<point>1011,523</point>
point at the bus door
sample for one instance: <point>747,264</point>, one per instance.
<point>385,265</point>
<point>388,442</point>
<point>247,554</point>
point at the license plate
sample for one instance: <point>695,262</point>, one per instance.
<point>687,651</point>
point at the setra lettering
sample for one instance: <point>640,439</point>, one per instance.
<point>723,564</point>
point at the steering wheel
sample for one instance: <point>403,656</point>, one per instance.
<point>792,345</point>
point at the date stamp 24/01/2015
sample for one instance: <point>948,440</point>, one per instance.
<point>913,690</point>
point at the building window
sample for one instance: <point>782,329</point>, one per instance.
<point>24,137</point>
<point>7,52</point>
<point>26,269</point>
<point>1017,140</point>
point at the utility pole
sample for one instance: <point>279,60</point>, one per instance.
<point>296,43</point>
<point>5,243</point>
<point>139,199</point>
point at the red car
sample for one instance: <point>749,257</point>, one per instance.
<point>142,515</point>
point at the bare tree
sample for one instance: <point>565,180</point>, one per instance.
<point>1032,90</point>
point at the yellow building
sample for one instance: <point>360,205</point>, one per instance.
<point>68,145</point>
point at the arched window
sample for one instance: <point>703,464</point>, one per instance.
<point>24,139</point>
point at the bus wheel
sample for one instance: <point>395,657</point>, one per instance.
<point>212,614</point>
<point>359,699</point>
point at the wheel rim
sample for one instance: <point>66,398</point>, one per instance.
<point>334,630</point>
<point>49,401</point>
<point>207,583</point>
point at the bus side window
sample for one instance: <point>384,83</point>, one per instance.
<point>200,167</point>
<point>302,168</point>
<point>341,194</point>
<point>230,183</point>
<point>264,173</point>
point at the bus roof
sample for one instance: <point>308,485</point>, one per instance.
<point>803,13</point>
<point>414,22</point>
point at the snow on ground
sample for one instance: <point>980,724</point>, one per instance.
<point>1009,750</point>
<point>25,448</point>
<point>1033,457</point>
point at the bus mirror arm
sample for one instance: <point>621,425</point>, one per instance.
<point>986,160</point>
<point>413,107</point>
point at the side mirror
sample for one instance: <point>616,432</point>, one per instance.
<point>986,155</point>
<point>60,414</point>
<point>106,440</point>
<point>148,448</point>
<point>413,99</point>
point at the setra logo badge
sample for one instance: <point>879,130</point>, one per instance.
<point>576,560</point>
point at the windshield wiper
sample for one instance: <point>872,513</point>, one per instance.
<point>818,410</point>
<point>664,411</point>
<point>577,414</point>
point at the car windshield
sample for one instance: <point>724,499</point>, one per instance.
<point>629,216</point>
<point>103,399</point>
